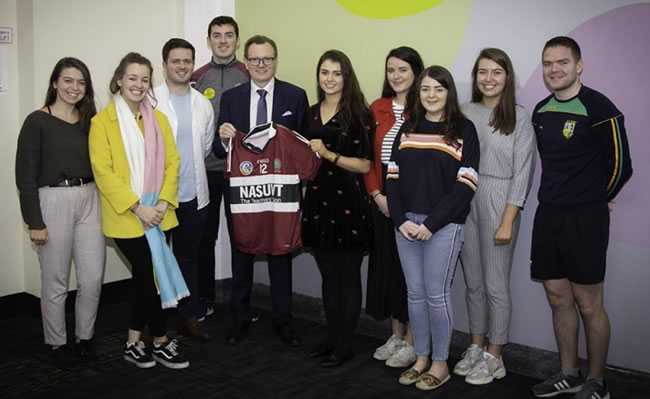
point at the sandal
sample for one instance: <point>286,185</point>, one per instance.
<point>410,376</point>
<point>428,382</point>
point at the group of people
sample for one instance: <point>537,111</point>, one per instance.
<point>416,180</point>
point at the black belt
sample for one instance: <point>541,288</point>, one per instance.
<point>74,182</point>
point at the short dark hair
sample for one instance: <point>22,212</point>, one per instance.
<point>565,41</point>
<point>130,58</point>
<point>223,20</point>
<point>86,105</point>
<point>176,43</point>
<point>260,39</point>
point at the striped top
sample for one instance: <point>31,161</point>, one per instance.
<point>511,156</point>
<point>430,177</point>
<point>387,143</point>
<point>583,148</point>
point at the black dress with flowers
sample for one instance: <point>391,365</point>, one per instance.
<point>336,211</point>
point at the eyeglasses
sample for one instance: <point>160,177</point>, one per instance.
<point>264,60</point>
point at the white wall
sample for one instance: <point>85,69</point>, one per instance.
<point>97,32</point>
<point>198,14</point>
<point>12,233</point>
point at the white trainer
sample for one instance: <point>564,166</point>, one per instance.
<point>386,350</point>
<point>471,356</point>
<point>404,356</point>
<point>486,370</point>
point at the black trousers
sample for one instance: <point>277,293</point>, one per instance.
<point>209,238</point>
<point>242,278</point>
<point>144,302</point>
<point>186,242</point>
<point>341,273</point>
<point>242,284</point>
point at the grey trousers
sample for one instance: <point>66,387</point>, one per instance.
<point>487,267</point>
<point>74,226</point>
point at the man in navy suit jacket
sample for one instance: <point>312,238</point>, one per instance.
<point>263,99</point>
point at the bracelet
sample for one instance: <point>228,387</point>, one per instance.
<point>376,194</point>
<point>135,207</point>
<point>336,158</point>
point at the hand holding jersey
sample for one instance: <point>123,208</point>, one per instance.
<point>265,167</point>
<point>226,133</point>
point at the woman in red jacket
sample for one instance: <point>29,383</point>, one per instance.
<point>386,289</point>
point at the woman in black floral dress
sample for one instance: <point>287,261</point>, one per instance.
<point>336,217</point>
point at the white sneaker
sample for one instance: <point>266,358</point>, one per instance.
<point>404,356</point>
<point>386,350</point>
<point>486,370</point>
<point>471,356</point>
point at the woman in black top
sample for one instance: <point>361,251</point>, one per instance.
<point>431,179</point>
<point>336,217</point>
<point>60,206</point>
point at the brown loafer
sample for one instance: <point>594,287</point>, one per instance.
<point>429,382</point>
<point>192,329</point>
<point>410,376</point>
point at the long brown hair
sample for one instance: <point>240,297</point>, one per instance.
<point>504,116</point>
<point>353,105</point>
<point>411,57</point>
<point>451,115</point>
<point>86,105</point>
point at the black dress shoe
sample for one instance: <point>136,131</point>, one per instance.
<point>85,351</point>
<point>321,350</point>
<point>332,360</point>
<point>63,357</point>
<point>286,333</point>
<point>238,331</point>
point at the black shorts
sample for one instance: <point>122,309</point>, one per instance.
<point>570,244</point>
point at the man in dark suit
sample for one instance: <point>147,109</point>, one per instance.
<point>263,99</point>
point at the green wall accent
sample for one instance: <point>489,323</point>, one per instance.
<point>304,29</point>
<point>387,9</point>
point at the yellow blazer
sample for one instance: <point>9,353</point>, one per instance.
<point>111,172</point>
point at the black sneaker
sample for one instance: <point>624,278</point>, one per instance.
<point>209,311</point>
<point>593,390</point>
<point>134,353</point>
<point>559,383</point>
<point>85,351</point>
<point>167,355</point>
<point>63,358</point>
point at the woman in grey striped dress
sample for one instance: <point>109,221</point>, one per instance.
<point>506,167</point>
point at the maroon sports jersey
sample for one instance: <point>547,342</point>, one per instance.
<point>265,167</point>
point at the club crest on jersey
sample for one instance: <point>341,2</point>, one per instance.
<point>209,93</point>
<point>246,168</point>
<point>277,164</point>
<point>569,127</point>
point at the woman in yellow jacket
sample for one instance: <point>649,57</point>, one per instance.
<point>135,164</point>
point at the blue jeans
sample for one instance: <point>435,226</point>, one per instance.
<point>429,268</point>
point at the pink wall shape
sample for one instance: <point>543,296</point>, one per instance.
<point>616,55</point>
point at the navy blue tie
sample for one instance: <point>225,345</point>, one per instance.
<point>261,107</point>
